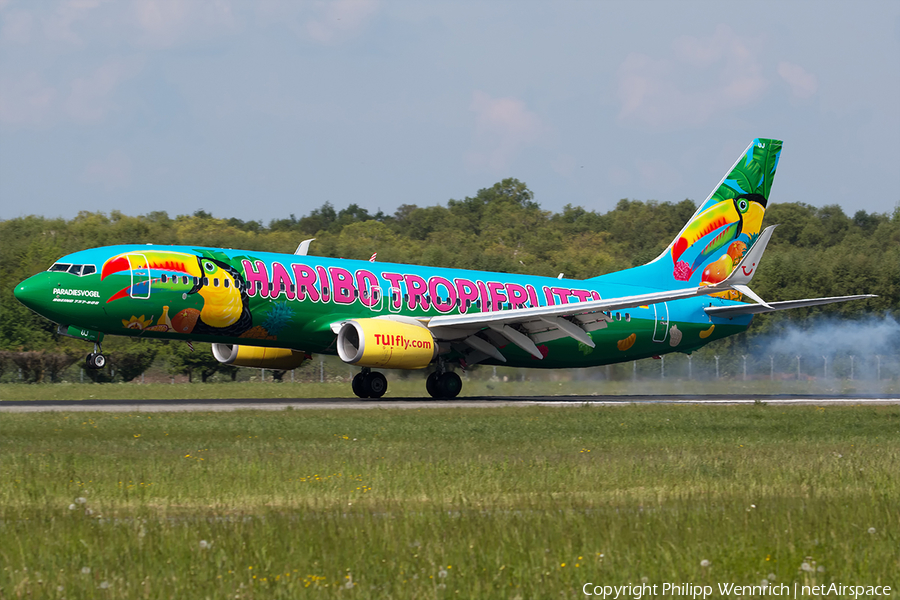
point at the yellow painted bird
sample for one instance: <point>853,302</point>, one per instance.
<point>730,217</point>
<point>170,274</point>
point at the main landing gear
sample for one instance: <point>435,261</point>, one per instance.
<point>443,385</point>
<point>95,360</point>
<point>369,384</point>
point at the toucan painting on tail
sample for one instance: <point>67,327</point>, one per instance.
<point>731,218</point>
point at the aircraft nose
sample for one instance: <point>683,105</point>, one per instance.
<point>32,292</point>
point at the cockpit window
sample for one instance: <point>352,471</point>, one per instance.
<point>80,270</point>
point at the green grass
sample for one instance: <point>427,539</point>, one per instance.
<point>439,503</point>
<point>414,386</point>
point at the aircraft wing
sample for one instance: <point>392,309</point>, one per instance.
<point>483,333</point>
<point>525,326</point>
<point>755,309</point>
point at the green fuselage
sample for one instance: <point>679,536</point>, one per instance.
<point>287,301</point>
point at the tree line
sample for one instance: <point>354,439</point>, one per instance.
<point>814,252</point>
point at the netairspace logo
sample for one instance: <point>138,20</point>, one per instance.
<point>732,590</point>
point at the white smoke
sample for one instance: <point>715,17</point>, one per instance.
<point>874,336</point>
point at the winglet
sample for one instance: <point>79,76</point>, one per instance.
<point>303,248</point>
<point>744,271</point>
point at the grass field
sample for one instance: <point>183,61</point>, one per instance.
<point>445,503</point>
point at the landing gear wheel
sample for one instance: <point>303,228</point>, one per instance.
<point>95,361</point>
<point>359,386</point>
<point>431,384</point>
<point>444,386</point>
<point>375,384</point>
<point>449,385</point>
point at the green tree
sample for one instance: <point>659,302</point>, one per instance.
<point>182,361</point>
<point>129,357</point>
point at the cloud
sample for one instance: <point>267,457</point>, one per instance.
<point>17,28</point>
<point>803,84</point>
<point>26,100</point>
<point>168,23</point>
<point>112,172</point>
<point>59,25</point>
<point>91,97</point>
<point>503,128</point>
<point>699,80</point>
<point>659,175</point>
<point>339,19</point>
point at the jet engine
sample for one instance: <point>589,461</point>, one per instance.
<point>259,357</point>
<point>386,343</point>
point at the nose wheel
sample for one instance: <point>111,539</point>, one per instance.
<point>95,360</point>
<point>369,384</point>
<point>443,385</point>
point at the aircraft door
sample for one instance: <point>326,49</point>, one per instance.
<point>140,276</point>
<point>395,302</point>
<point>377,299</point>
<point>660,322</point>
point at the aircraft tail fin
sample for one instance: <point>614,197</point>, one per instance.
<point>724,227</point>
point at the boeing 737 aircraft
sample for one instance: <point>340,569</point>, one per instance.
<point>269,310</point>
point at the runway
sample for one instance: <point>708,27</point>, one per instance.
<point>420,403</point>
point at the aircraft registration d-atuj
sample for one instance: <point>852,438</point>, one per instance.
<point>268,310</point>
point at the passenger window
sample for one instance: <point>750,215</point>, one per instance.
<point>163,278</point>
<point>206,281</point>
<point>215,282</point>
<point>227,283</point>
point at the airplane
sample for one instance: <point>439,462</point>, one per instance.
<point>268,310</point>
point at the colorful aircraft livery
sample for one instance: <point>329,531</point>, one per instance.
<point>272,310</point>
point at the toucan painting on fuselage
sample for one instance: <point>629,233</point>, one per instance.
<point>272,310</point>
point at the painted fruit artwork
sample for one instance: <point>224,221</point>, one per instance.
<point>718,270</point>
<point>627,343</point>
<point>736,251</point>
<point>185,320</point>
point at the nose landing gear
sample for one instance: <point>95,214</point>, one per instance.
<point>369,384</point>
<point>95,360</point>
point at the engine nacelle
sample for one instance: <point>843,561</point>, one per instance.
<point>386,343</point>
<point>256,356</point>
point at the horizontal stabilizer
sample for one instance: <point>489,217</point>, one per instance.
<point>755,309</point>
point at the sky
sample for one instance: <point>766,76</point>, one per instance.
<point>259,110</point>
